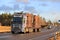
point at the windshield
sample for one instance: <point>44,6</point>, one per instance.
<point>17,20</point>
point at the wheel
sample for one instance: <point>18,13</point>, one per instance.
<point>33,30</point>
<point>37,30</point>
<point>12,32</point>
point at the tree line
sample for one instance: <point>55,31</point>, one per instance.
<point>5,19</point>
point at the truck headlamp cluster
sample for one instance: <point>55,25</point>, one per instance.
<point>13,25</point>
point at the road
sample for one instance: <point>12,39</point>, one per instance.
<point>43,35</point>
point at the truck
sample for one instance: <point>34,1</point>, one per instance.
<point>25,22</point>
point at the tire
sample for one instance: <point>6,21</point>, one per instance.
<point>12,32</point>
<point>37,30</point>
<point>33,30</point>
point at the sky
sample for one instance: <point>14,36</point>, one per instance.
<point>49,9</point>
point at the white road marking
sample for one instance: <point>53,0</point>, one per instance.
<point>42,37</point>
<point>5,36</point>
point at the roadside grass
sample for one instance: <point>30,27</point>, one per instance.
<point>5,29</point>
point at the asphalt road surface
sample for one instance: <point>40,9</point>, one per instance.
<point>43,35</point>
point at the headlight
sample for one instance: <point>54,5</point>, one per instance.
<point>13,25</point>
